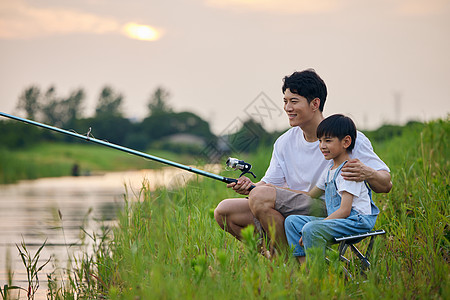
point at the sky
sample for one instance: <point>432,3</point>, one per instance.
<point>384,61</point>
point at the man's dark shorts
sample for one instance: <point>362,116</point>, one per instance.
<point>292,203</point>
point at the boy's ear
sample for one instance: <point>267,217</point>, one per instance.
<point>346,141</point>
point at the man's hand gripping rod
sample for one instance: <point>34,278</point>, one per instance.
<point>240,165</point>
<point>124,149</point>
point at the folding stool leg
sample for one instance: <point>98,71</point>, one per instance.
<point>369,247</point>
<point>341,249</point>
<point>364,261</point>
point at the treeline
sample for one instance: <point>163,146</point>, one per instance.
<point>162,128</point>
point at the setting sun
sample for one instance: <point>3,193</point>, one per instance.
<point>141,32</point>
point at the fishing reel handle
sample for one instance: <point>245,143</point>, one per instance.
<point>231,180</point>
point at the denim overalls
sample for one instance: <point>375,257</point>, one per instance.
<point>317,232</point>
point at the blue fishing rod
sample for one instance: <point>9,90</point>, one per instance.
<point>231,162</point>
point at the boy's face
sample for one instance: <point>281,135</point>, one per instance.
<point>298,109</point>
<point>334,148</point>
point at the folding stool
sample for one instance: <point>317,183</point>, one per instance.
<point>351,241</point>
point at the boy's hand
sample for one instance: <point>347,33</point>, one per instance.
<point>300,242</point>
<point>241,186</point>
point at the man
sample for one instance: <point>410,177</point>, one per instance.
<point>296,165</point>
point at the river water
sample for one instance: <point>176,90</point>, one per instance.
<point>55,210</point>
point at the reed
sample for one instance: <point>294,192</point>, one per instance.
<point>31,263</point>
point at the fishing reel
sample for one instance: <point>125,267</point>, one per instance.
<point>241,165</point>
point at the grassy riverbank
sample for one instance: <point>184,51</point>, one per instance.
<point>167,245</point>
<point>58,159</point>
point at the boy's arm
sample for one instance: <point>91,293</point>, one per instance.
<point>379,181</point>
<point>315,192</point>
<point>345,209</point>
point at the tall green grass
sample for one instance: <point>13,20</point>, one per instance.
<point>167,244</point>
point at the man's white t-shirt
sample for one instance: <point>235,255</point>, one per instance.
<point>298,164</point>
<point>361,199</point>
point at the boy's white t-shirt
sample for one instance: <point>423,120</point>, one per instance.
<point>298,164</point>
<point>361,199</point>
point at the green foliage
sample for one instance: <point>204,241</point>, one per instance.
<point>16,135</point>
<point>29,101</point>
<point>164,125</point>
<point>158,102</point>
<point>58,111</point>
<point>387,132</point>
<point>31,263</point>
<point>251,136</point>
<point>111,128</point>
<point>109,103</point>
<point>167,245</point>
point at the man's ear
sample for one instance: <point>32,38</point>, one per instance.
<point>346,141</point>
<point>315,104</point>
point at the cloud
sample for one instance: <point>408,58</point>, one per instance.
<point>278,6</point>
<point>19,20</point>
<point>291,7</point>
<point>423,7</point>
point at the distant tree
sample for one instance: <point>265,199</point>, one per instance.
<point>113,129</point>
<point>163,125</point>
<point>109,103</point>
<point>51,108</point>
<point>29,101</point>
<point>251,135</point>
<point>73,105</point>
<point>59,111</point>
<point>158,102</point>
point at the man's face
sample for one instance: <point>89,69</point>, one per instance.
<point>298,109</point>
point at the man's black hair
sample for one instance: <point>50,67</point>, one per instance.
<point>338,126</point>
<point>308,84</point>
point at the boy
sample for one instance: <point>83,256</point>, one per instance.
<point>349,203</point>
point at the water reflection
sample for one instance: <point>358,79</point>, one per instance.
<point>55,210</point>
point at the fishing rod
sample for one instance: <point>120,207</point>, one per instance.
<point>231,162</point>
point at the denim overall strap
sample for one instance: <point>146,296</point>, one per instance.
<point>374,209</point>
<point>332,197</point>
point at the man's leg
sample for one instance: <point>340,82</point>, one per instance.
<point>262,205</point>
<point>233,215</point>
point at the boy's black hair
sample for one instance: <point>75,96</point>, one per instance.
<point>308,84</point>
<point>338,126</point>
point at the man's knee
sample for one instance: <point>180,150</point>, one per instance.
<point>220,213</point>
<point>261,198</point>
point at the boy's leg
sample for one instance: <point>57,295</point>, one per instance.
<point>233,215</point>
<point>318,233</point>
<point>272,205</point>
<point>294,225</point>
